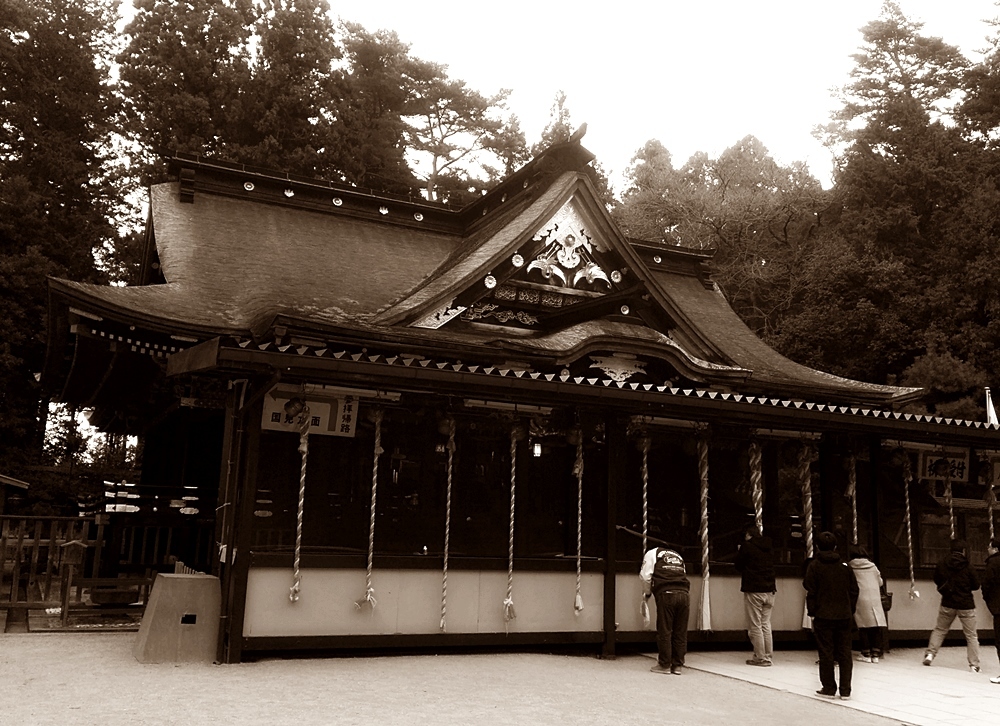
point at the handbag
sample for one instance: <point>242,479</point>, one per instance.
<point>886,598</point>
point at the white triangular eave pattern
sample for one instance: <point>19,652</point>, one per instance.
<point>459,367</point>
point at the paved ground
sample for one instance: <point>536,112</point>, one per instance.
<point>898,687</point>
<point>91,679</point>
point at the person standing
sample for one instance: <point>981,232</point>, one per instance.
<point>664,577</point>
<point>755,563</point>
<point>869,615</point>
<point>956,582</point>
<point>991,591</point>
<point>831,599</point>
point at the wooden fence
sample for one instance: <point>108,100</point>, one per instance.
<point>36,552</point>
<point>99,562</point>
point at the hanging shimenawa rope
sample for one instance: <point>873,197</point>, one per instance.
<point>508,603</point>
<point>447,523</point>
<point>644,444</point>
<point>755,485</point>
<point>950,500</point>
<point>991,503</point>
<point>293,593</point>
<point>369,598</point>
<point>852,492</point>
<point>578,471</point>
<point>805,481</point>
<point>907,476</point>
<point>705,614</point>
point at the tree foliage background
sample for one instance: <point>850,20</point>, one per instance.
<point>888,276</point>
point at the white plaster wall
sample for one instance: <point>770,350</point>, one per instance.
<point>409,602</point>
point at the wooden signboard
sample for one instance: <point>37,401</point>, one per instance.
<point>335,417</point>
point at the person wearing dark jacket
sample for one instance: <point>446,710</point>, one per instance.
<point>991,591</point>
<point>755,563</point>
<point>831,599</point>
<point>664,577</point>
<point>956,582</point>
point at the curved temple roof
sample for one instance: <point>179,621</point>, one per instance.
<point>239,250</point>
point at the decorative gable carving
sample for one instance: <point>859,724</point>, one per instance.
<point>568,257</point>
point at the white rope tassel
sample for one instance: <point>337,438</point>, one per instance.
<point>705,613</point>
<point>755,485</point>
<point>644,606</point>
<point>508,603</point>
<point>369,598</point>
<point>447,524</point>
<point>293,593</point>
<point>852,492</point>
<point>907,476</point>
<point>578,471</point>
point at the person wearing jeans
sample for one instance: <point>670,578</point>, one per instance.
<point>956,582</point>
<point>755,563</point>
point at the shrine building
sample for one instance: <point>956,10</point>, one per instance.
<point>411,425</point>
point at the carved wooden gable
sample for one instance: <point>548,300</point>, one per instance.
<point>563,274</point>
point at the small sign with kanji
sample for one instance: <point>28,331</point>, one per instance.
<point>937,464</point>
<point>336,418</point>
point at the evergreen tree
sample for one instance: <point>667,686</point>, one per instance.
<point>758,216</point>
<point>57,185</point>
<point>906,295</point>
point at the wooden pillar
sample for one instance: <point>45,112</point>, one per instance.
<point>874,466</point>
<point>826,476</point>
<point>232,439</point>
<point>616,441</point>
<point>237,568</point>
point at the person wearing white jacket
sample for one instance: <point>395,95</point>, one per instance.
<point>869,616</point>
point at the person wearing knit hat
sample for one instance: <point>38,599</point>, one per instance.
<point>831,599</point>
<point>956,582</point>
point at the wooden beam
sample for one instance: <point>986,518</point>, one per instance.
<point>201,357</point>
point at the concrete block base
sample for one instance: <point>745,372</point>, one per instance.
<point>181,621</point>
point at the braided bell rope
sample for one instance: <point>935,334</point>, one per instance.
<point>705,613</point>
<point>991,503</point>
<point>369,597</point>
<point>644,606</point>
<point>852,491</point>
<point>907,476</point>
<point>755,485</point>
<point>805,480</point>
<point>447,524</point>
<point>950,500</point>
<point>508,603</point>
<point>578,471</point>
<point>293,593</point>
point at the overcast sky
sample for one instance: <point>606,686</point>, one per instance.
<point>696,74</point>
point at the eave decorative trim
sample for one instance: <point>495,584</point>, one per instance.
<point>409,360</point>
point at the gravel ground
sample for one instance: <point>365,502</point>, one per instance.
<point>91,679</point>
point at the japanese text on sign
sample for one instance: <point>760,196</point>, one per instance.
<point>939,464</point>
<point>336,417</point>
